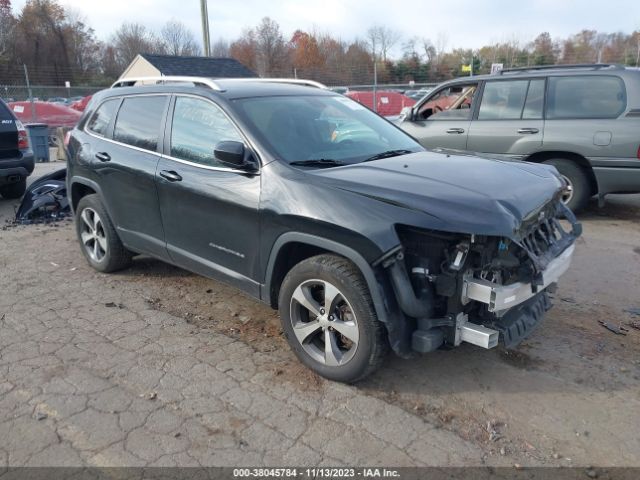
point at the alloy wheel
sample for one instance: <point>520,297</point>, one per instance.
<point>324,323</point>
<point>92,234</point>
<point>567,193</point>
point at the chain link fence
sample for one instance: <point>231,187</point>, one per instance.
<point>20,93</point>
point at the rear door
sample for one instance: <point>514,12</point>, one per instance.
<point>8,133</point>
<point>510,118</point>
<point>209,211</point>
<point>125,159</point>
<point>443,119</point>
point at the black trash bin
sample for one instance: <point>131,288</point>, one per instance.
<point>39,140</point>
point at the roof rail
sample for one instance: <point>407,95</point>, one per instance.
<point>293,81</point>
<point>594,66</point>
<point>130,82</point>
<point>210,82</point>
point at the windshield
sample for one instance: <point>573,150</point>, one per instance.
<point>331,128</point>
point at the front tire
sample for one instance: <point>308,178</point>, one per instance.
<point>579,190</point>
<point>329,320</point>
<point>14,190</point>
<point>98,238</point>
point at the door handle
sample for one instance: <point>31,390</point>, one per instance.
<point>170,175</point>
<point>103,156</point>
<point>530,131</point>
<point>456,130</point>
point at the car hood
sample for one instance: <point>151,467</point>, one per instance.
<point>458,192</point>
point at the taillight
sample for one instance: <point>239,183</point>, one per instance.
<point>23,138</point>
<point>67,138</point>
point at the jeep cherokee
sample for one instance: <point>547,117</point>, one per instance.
<point>319,207</point>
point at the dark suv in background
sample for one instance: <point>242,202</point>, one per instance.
<point>16,157</point>
<point>317,206</point>
<point>582,119</point>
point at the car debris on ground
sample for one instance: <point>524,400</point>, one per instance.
<point>45,200</point>
<point>619,330</point>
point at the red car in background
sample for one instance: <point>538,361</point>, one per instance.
<point>388,103</point>
<point>53,114</point>
<point>80,105</point>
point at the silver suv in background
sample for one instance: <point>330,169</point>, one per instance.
<point>582,119</point>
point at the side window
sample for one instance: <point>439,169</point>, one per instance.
<point>100,121</point>
<point>586,96</point>
<point>535,101</point>
<point>198,126</point>
<point>503,100</point>
<point>138,122</point>
<point>450,103</point>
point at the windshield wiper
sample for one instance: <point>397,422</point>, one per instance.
<point>319,162</point>
<point>387,154</point>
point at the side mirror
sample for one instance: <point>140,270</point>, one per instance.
<point>406,114</point>
<point>234,155</point>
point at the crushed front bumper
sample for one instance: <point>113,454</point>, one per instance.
<point>503,297</point>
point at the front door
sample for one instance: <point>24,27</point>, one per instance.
<point>509,121</point>
<point>442,120</point>
<point>209,211</point>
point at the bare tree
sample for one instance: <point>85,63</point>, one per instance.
<point>429,50</point>
<point>220,48</point>
<point>381,40</point>
<point>272,52</point>
<point>178,39</point>
<point>7,23</point>
<point>130,40</point>
<point>441,45</point>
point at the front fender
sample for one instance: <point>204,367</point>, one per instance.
<point>384,302</point>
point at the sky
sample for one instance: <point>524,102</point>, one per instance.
<point>460,23</point>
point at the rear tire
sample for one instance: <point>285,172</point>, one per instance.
<point>14,190</point>
<point>329,320</point>
<point>579,184</point>
<point>98,238</point>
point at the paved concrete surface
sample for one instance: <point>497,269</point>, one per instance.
<point>156,366</point>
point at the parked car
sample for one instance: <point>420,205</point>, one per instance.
<point>53,114</point>
<point>340,90</point>
<point>417,94</point>
<point>582,119</point>
<point>59,100</point>
<point>362,242</point>
<point>16,156</point>
<point>81,103</point>
<point>387,103</point>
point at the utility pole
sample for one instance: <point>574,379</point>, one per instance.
<point>206,40</point>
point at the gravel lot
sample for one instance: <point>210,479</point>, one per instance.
<point>156,366</point>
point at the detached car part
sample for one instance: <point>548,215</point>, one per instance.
<point>45,200</point>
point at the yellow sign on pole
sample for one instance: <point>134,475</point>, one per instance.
<point>466,68</point>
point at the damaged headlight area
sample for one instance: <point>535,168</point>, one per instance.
<point>472,288</point>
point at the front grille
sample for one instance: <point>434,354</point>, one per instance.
<point>545,239</point>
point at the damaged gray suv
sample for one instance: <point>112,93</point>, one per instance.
<point>317,206</point>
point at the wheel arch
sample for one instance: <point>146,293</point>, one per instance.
<point>580,160</point>
<point>80,187</point>
<point>292,247</point>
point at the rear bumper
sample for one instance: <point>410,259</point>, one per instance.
<point>503,297</point>
<point>22,166</point>
<point>618,179</point>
